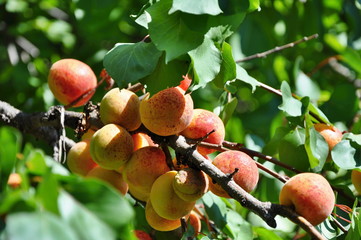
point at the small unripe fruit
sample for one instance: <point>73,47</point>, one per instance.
<point>111,146</point>
<point>168,112</point>
<point>202,123</point>
<point>69,79</point>
<point>79,160</point>
<point>246,176</point>
<point>14,180</point>
<point>120,107</point>
<point>311,195</point>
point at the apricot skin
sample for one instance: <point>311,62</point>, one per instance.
<point>79,160</point>
<point>246,177</point>
<point>331,134</point>
<point>111,146</point>
<point>143,168</point>
<point>68,79</point>
<point>202,123</point>
<point>159,223</point>
<point>190,184</point>
<point>141,140</point>
<point>120,107</point>
<point>310,194</point>
<point>168,112</point>
<point>165,201</point>
<point>110,176</point>
<point>356,180</point>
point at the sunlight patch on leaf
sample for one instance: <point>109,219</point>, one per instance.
<point>290,105</point>
<point>198,7</point>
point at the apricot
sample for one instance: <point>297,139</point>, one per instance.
<point>159,223</point>
<point>356,180</point>
<point>195,222</point>
<point>246,177</point>
<point>185,83</point>
<point>120,107</point>
<point>165,201</point>
<point>110,176</point>
<point>88,134</point>
<point>143,168</point>
<point>331,134</point>
<point>69,79</point>
<point>202,123</point>
<point>168,112</point>
<point>14,180</point>
<point>111,146</point>
<point>79,160</point>
<point>142,140</point>
<point>141,235</point>
<point>310,195</point>
<point>190,184</point>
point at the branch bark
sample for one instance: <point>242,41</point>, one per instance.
<point>46,125</point>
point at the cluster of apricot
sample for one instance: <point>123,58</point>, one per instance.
<point>127,157</point>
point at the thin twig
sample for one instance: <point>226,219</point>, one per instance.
<point>277,49</point>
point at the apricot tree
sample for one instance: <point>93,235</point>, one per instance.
<point>189,139</point>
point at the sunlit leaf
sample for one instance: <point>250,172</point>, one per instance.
<point>343,155</point>
<point>210,7</point>
<point>216,209</point>
<point>228,67</point>
<point>290,105</point>
<point>237,227</point>
<point>317,149</point>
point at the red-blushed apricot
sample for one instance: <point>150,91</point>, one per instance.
<point>331,134</point>
<point>14,180</point>
<point>142,140</point>
<point>141,235</point>
<point>79,160</point>
<point>190,184</point>
<point>167,112</point>
<point>202,123</point>
<point>310,195</point>
<point>120,106</point>
<point>143,168</point>
<point>165,201</point>
<point>111,146</point>
<point>195,221</point>
<point>356,180</point>
<point>246,177</point>
<point>69,79</point>
<point>159,223</point>
<point>110,176</point>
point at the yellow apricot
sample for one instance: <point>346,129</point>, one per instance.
<point>79,160</point>
<point>159,223</point>
<point>110,176</point>
<point>120,107</point>
<point>111,146</point>
<point>190,184</point>
<point>165,201</point>
<point>143,168</point>
<point>168,112</point>
<point>141,140</point>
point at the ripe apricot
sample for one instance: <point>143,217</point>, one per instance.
<point>331,134</point>
<point>310,194</point>
<point>190,184</point>
<point>69,79</point>
<point>168,112</point>
<point>88,134</point>
<point>157,222</point>
<point>14,180</point>
<point>165,201</point>
<point>143,168</point>
<point>356,180</point>
<point>202,123</point>
<point>110,176</point>
<point>141,235</point>
<point>79,160</point>
<point>195,222</point>
<point>120,106</point>
<point>111,146</point>
<point>141,140</point>
<point>246,176</point>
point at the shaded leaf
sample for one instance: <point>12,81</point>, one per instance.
<point>317,149</point>
<point>228,67</point>
<point>210,7</point>
<point>237,227</point>
<point>242,77</point>
<point>216,209</point>
<point>343,155</point>
<point>129,62</point>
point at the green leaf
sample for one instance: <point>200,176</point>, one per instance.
<point>10,145</point>
<point>306,87</point>
<point>35,162</point>
<point>352,58</point>
<point>228,67</point>
<point>84,222</point>
<point>317,149</point>
<point>206,61</point>
<point>110,204</point>
<point>290,105</point>
<point>226,107</point>
<point>129,62</point>
<point>242,77</point>
<point>39,226</point>
<point>169,32</point>
<point>265,234</point>
<point>318,113</point>
<point>237,227</point>
<point>353,137</point>
<point>48,192</point>
<point>165,75</point>
<point>199,7</point>
<point>343,155</point>
<point>216,209</point>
